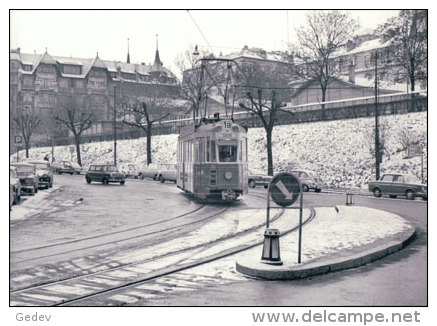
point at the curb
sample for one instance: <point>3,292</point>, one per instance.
<point>256,269</point>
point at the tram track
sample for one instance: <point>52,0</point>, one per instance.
<point>161,272</point>
<point>107,234</point>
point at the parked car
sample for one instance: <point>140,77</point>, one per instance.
<point>104,173</point>
<point>66,167</point>
<point>150,171</point>
<point>310,180</point>
<point>394,184</point>
<point>11,196</point>
<point>130,170</point>
<point>167,172</point>
<point>258,179</point>
<point>28,179</point>
<point>44,173</point>
<point>77,168</point>
<point>14,181</point>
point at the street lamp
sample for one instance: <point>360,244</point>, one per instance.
<point>115,128</point>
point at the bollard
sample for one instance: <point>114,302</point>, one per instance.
<point>349,198</point>
<point>271,251</point>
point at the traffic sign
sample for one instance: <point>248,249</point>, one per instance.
<point>285,189</point>
<point>18,139</point>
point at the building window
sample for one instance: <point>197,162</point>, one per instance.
<point>27,67</point>
<point>27,81</point>
<point>71,70</point>
<point>46,69</point>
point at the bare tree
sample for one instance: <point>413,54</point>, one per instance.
<point>264,101</point>
<point>76,116</point>
<point>27,123</point>
<point>318,42</point>
<point>145,111</point>
<point>408,50</point>
<point>195,85</point>
<point>384,136</point>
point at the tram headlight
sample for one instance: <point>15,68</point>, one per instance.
<point>218,128</point>
<point>228,175</point>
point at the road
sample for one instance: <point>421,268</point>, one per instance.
<point>83,227</point>
<point>396,280</point>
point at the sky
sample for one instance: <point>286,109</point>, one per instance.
<point>84,33</point>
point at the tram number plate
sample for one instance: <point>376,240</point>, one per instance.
<point>228,124</point>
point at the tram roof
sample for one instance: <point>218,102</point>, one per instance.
<point>205,126</point>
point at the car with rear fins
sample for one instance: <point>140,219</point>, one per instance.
<point>44,173</point>
<point>28,178</point>
<point>14,181</point>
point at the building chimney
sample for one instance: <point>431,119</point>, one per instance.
<point>350,45</point>
<point>352,73</point>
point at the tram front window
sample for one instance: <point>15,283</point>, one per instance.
<point>227,153</point>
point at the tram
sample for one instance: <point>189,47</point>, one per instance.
<point>212,159</point>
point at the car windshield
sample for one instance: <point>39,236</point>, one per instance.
<point>75,165</point>
<point>411,179</point>
<point>25,169</point>
<point>42,166</point>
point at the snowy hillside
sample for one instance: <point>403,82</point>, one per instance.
<point>338,150</point>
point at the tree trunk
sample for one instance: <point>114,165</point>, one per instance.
<point>149,144</point>
<point>269,151</point>
<point>77,140</point>
<point>323,100</point>
<point>27,145</point>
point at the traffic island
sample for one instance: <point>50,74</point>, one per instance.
<point>338,238</point>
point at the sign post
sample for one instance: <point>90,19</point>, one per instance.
<point>18,140</point>
<point>284,189</point>
<point>416,150</point>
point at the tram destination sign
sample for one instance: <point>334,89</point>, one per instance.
<point>285,189</point>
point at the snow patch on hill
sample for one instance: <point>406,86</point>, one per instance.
<point>339,150</point>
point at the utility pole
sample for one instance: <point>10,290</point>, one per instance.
<point>115,129</point>
<point>377,150</point>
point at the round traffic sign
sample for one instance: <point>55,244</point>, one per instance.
<point>285,189</point>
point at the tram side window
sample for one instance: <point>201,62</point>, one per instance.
<point>201,150</point>
<point>213,151</point>
<point>228,153</point>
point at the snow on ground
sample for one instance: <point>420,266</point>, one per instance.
<point>339,150</point>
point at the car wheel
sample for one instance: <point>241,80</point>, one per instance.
<point>105,181</point>
<point>317,190</point>
<point>161,179</point>
<point>377,192</point>
<point>305,188</point>
<point>36,189</point>
<point>32,192</point>
<point>410,195</point>
<point>88,180</point>
<point>252,184</point>
<point>122,183</point>
<point>141,176</point>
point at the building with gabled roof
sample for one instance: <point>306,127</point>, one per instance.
<point>38,81</point>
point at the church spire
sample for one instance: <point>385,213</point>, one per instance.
<point>128,57</point>
<point>157,60</point>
